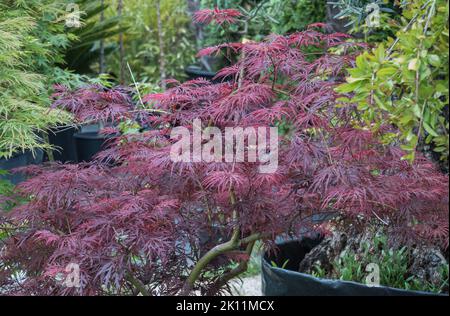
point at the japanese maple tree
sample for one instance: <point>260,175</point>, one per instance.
<point>95,103</point>
<point>135,221</point>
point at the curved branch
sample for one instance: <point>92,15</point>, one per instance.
<point>241,268</point>
<point>214,253</point>
<point>137,284</point>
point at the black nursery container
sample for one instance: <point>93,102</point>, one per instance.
<point>88,144</point>
<point>196,72</point>
<point>62,138</point>
<point>288,282</point>
<point>18,161</point>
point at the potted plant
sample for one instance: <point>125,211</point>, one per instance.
<point>94,107</point>
<point>357,263</point>
<point>417,106</point>
<point>24,117</point>
<point>62,139</point>
<point>136,227</point>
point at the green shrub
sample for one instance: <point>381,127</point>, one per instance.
<point>296,15</point>
<point>404,81</point>
<point>6,191</point>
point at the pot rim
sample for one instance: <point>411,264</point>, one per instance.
<point>336,282</point>
<point>192,69</point>
<point>93,136</point>
<point>17,155</point>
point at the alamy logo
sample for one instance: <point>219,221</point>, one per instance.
<point>237,144</point>
<point>73,15</point>
<point>373,278</point>
<point>72,273</point>
<point>373,18</point>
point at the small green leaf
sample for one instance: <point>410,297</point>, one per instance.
<point>353,80</point>
<point>389,71</point>
<point>429,129</point>
<point>413,64</point>
<point>434,60</point>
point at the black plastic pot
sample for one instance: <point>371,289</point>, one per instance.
<point>196,72</point>
<point>288,282</point>
<point>88,144</point>
<point>62,138</point>
<point>37,158</point>
<point>18,161</point>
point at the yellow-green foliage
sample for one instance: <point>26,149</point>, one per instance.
<point>24,111</point>
<point>404,81</point>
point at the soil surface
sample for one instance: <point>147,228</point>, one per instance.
<point>426,262</point>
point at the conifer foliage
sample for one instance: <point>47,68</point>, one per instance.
<point>135,221</point>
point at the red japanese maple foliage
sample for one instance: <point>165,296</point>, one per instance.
<point>137,222</point>
<point>219,16</point>
<point>94,103</point>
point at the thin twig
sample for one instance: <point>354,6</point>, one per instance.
<point>406,28</point>
<point>380,219</point>
<point>135,85</point>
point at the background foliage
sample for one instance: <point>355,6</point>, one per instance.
<point>294,15</point>
<point>31,42</point>
<point>266,16</point>
<point>358,14</point>
<point>404,81</point>
<point>83,53</point>
<point>141,41</point>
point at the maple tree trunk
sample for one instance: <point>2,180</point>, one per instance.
<point>49,151</point>
<point>162,56</point>
<point>121,46</point>
<point>233,244</point>
<point>241,268</point>
<point>137,284</point>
